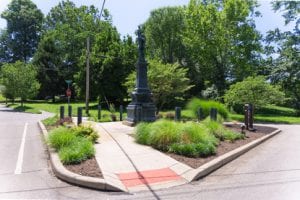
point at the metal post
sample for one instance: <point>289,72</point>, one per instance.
<point>62,112</point>
<point>199,114</point>
<point>99,112</point>
<point>250,116</point>
<point>79,115</point>
<point>87,86</point>
<point>213,114</point>
<point>246,117</point>
<point>177,113</point>
<point>121,113</point>
<point>70,111</point>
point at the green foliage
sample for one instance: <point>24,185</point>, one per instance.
<point>19,80</point>
<point>61,137</point>
<point>142,133</point>
<point>164,133</point>
<point>194,104</point>
<point>189,139</point>
<point>193,150</point>
<point>24,25</point>
<point>254,90</point>
<point>73,145</point>
<point>163,30</point>
<point>221,41</point>
<point>232,136</point>
<point>81,149</point>
<point>50,121</point>
<point>85,131</point>
<point>166,82</point>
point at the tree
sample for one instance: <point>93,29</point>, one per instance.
<point>19,80</point>
<point>61,53</point>
<point>166,82</point>
<point>285,67</point>
<point>221,41</point>
<point>24,25</point>
<point>163,30</point>
<point>253,90</point>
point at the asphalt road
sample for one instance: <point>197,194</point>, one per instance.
<point>270,171</point>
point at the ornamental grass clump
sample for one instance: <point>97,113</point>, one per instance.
<point>142,133</point>
<point>81,149</point>
<point>195,103</point>
<point>163,133</point>
<point>72,146</point>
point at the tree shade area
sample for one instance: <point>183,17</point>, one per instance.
<point>205,49</point>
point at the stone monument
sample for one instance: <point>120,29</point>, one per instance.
<point>141,107</point>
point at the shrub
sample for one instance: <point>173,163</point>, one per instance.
<point>81,149</point>
<point>196,133</point>
<point>195,104</point>
<point>61,137</point>
<point>164,133</point>
<point>142,132</point>
<point>193,149</point>
<point>50,121</point>
<point>86,131</point>
<point>232,136</point>
<point>214,128</point>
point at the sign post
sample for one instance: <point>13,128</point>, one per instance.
<point>68,91</point>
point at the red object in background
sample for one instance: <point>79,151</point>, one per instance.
<point>69,92</point>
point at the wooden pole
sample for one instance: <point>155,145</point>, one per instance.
<point>87,84</point>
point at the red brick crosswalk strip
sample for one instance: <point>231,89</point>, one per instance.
<point>132,179</point>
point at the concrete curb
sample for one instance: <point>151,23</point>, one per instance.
<point>211,166</point>
<point>61,172</point>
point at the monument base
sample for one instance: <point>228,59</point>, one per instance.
<point>140,112</point>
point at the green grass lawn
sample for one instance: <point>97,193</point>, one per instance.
<point>37,107</point>
<point>269,114</point>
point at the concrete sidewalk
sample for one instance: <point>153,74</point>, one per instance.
<point>132,166</point>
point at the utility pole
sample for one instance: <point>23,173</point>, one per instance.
<point>87,78</point>
<point>87,86</point>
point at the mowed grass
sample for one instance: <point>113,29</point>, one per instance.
<point>259,118</point>
<point>38,107</point>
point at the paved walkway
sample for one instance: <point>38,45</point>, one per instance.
<point>133,166</point>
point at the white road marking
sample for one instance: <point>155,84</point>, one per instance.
<point>18,169</point>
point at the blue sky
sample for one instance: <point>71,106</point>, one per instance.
<point>128,14</point>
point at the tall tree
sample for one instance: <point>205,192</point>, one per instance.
<point>286,67</point>
<point>24,24</point>
<point>20,80</point>
<point>221,40</point>
<point>163,31</point>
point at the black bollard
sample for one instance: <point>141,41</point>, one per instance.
<point>70,111</point>
<point>199,114</point>
<point>213,114</point>
<point>250,116</point>
<point>99,112</point>
<point>62,112</point>
<point>246,117</point>
<point>79,116</point>
<point>177,113</point>
<point>121,113</point>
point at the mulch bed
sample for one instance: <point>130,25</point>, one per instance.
<point>86,168</point>
<point>225,146</point>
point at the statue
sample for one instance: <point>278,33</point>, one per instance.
<point>141,44</point>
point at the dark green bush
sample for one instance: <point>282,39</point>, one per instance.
<point>195,104</point>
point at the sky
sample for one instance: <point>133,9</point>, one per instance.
<point>128,14</point>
